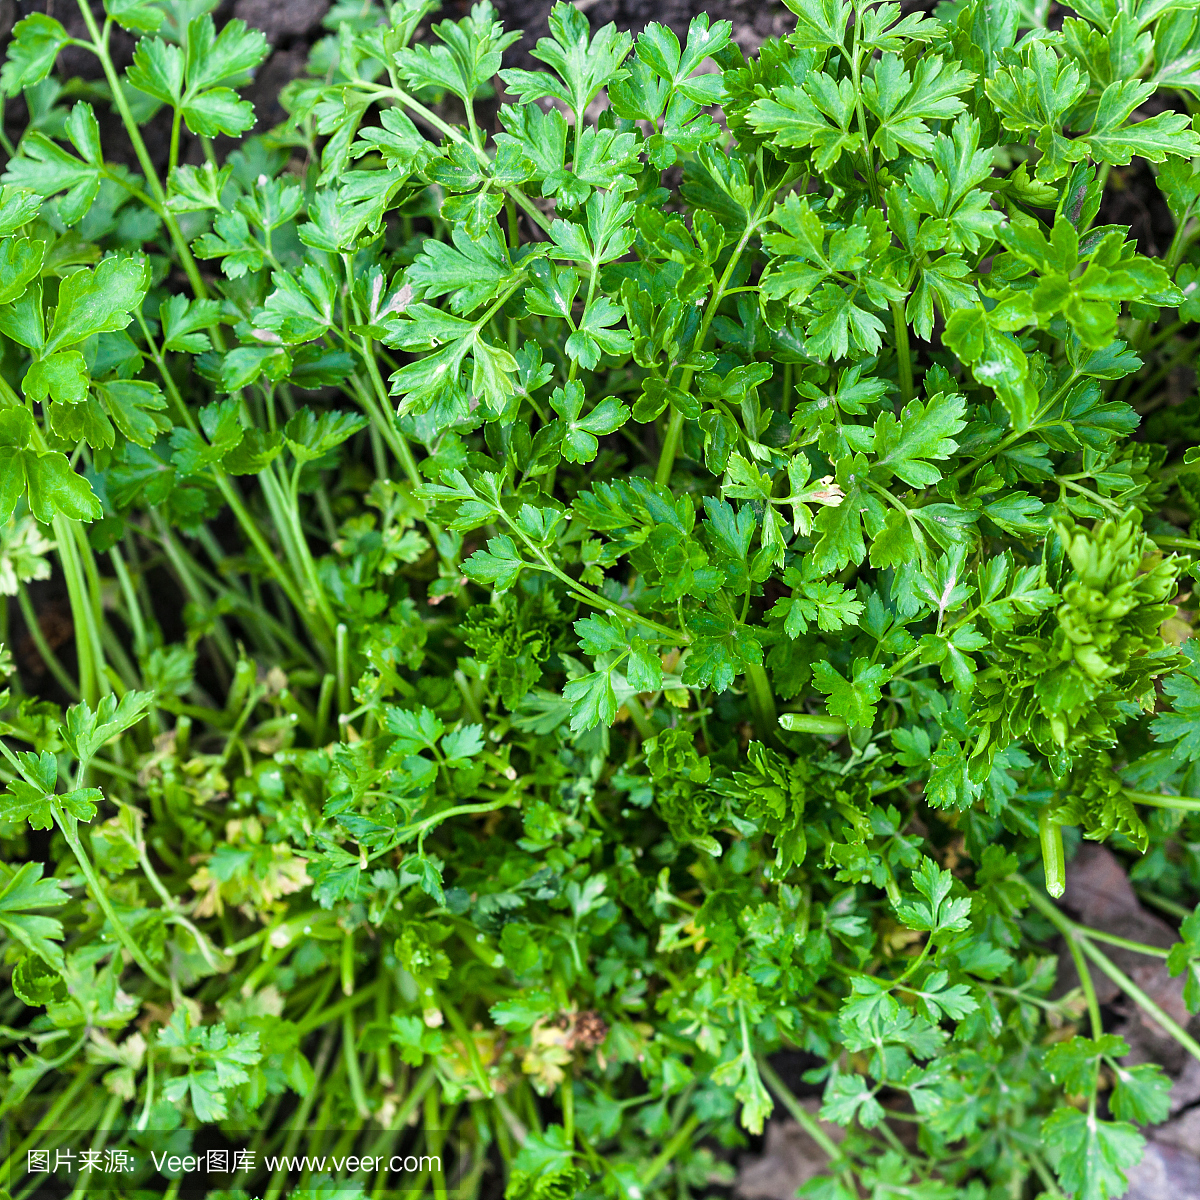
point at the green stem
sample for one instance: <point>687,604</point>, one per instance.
<point>670,447</point>
<point>1071,934</point>
<point>806,723</point>
<point>251,529</point>
<point>1171,907</point>
<point>670,1151</point>
<point>567,1094</point>
<point>433,1136</point>
<point>70,831</point>
<point>1112,939</point>
<point>803,1117</point>
<point>141,642</point>
<point>300,1117</point>
<point>353,1070</point>
<point>762,701</point>
<point>51,1118</point>
<point>640,718</point>
<point>99,1141</point>
<point>34,628</point>
<point>342,666</point>
<point>334,1011</point>
<point>1182,803</point>
<point>295,547</point>
<point>1053,855</point>
<point>460,810</point>
<point>1175,543</point>
<point>100,49</point>
<point>93,682</point>
<point>1139,997</point>
<point>903,356</point>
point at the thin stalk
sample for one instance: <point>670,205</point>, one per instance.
<point>1170,907</point>
<point>50,1119</point>
<point>433,1134</point>
<point>567,1098</point>
<point>295,547</point>
<point>353,1070</point>
<point>93,682</point>
<point>803,1117</point>
<point>1112,939</point>
<point>99,1141</point>
<point>226,486</point>
<point>1140,998</point>
<point>762,701</point>
<point>250,528</point>
<point>275,1187</point>
<point>334,1011</point>
<point>70,831</point>
<point>383,1056</point>
<point>141,642</point>
<point>640,718</point>
<point>1183,803</point>
<point>100,49</point>
<point>670,1151</point>
<point>195,593</point>
<point>34,628</point>
<point>1053,855</point>
<point>1070,932</point>
<point>903,355</point>
<point>670,447</point>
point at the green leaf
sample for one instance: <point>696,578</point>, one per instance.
<point>721,650</point>
<point>85,730</point>
<point>1091,1156</point>
<point>594,336</point>
<point>847,1097</point>
<point>216,1062</point>
<point>99,301</point>
<point>937,912</point>
<point>36,41</point>
<point>63,375</point>
<point>522,1011</point>
<point>310,437</point>
<point>853,699</point>
<point>924,431</point>
<point>182,319</point>
<point>22,892</point>
<point>221,423</point>
<point>135,15</point>
<point>1142,1094</point>
<point>820,24</point>
<point>904,103</point>
<point>584,64</point>
<point>37,983</point>
<point>1114,142</point>
<point>593,700</point>
<point>472,271</point>
<point>1075,1063</point>
<point>498,565</point>
<point>20,263</point>
<point>1184,960</point>
<point>54,488</point>
<point>818,115</point>
<point>469,56</point>
<point>580,433</point>
<point>1180,726</point>
<point>841,325</point>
